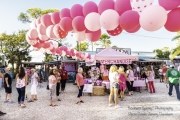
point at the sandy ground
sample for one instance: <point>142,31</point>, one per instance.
<point>140,106</point>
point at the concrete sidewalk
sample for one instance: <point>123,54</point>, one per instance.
<point>140,106</point>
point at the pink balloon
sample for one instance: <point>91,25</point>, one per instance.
<point>90,7</point>
<point>33,24</point>
<point>122,5</point>
<point>93,36</point>
<point>107,22</point>
<point>58,50</point>
<point>38,21</point>
<point>33,34</point>
<point>173,21</point>
<point>79,36</point>
<point>129,24</point>
<point>135,29</point>
<point>53,50</point>
<point>58,32</point>
<point>76,10</point>
<point>65,12</point>
<point>49,32</point>
<point>66,24</point>
<point>169,4</point>
<point>140,5</point>
<point>41,41</point>
<point>72,51</point>
<point>46,20</point>
<point>41,29</point>
<point>77,54</point>
<point>38,45</point>
<point>105,5</point>
<point>153,18</point>
<point>61,48</point>
<point>55,18</point>
<point>92,21</point>
<point>43,37</point>
<point>65,48</point>
<point>78,23</point>
<point>115,32</point>
<point>46,45</point>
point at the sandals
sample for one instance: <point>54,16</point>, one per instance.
<point>82,101</point>
<point>30,100</point>
<point>35,99</point>
<point>23,106</point>
<point>59,100</point>
<point>78,102</point>
<point>54,105</point>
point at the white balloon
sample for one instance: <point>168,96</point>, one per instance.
<point>91,21</point>
<point>140,5</point>
<point>79,36</point>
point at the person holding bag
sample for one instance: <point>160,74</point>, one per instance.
<point>21,82</point>
<point>80,84</point>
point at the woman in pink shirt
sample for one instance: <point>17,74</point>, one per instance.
<point>150,78</point>
<point>80,84</point>
<point>123,78</point>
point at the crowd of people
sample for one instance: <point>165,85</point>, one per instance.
<point>120,79</point>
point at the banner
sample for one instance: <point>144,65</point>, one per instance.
<point>128,61</point>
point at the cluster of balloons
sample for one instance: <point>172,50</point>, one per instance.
<point>51,47</point>
<point>85,22</point>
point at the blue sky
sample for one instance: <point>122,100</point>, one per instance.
<point>139,41</point>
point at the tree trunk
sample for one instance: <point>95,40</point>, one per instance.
<point>92,45</point>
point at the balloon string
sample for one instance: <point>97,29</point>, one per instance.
<point>146,36</point>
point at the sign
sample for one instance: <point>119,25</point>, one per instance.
<point>121,50</point>
<point>88,88</point>
<point>128,61</point>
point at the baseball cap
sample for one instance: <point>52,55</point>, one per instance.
<point>171,66</point>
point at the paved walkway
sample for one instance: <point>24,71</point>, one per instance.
<point>140,106</point>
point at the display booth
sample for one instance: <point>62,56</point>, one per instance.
<point>109,56</point>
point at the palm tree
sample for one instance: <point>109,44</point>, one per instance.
<point>176,51</point>
<point>104,41</point>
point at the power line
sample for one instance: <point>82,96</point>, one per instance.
<point>147,36</point>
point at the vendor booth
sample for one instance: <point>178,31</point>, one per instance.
<point>106,57</point>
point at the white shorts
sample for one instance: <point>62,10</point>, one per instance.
<point>33,89</point>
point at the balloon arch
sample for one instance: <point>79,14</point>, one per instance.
<point>85,22</point>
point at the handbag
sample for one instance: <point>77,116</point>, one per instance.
<point>47,87</point>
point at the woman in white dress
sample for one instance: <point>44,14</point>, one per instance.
<point>34,83</point>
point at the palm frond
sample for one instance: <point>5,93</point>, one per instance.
<point>175,52</point>
<point>176,37</point>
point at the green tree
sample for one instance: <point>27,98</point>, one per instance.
<point>176,51</point>
<point>34,13</point>
<point>162,53</point>
<point>15,47</point>
<point>104,41</point>
<point>83,46</point>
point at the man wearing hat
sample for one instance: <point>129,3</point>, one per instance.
<point>172,76</point>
